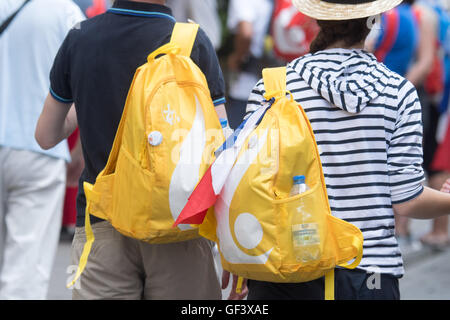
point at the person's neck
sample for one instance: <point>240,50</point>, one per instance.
<point>341,45</point>
<point>161,2</point>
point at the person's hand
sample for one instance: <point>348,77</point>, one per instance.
<point>74,169</point>
<point>76,166</point>
<point>446,186</point>
<point>233,294</point>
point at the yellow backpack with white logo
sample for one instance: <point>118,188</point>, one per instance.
<point>262,231</point>
<point>165,142</point>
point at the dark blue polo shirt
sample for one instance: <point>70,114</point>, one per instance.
<point>95,66</point>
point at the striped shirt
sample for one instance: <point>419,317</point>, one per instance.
<point>367,123</point>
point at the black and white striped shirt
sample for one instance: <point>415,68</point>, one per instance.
<point>367,123</point>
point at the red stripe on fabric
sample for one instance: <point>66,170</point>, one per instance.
<point>392,28</point>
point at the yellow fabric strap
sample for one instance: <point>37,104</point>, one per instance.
<point>359,245</point>
<point>165,49</point>
<point>329,285</point>
<point>90,193</point>
<point>240,280</point>
<point>329,277</point>
<point>87,246</point>
<point>274,82</point>
<point>183,36</point>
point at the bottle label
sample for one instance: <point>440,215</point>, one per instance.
<point>305,234</point>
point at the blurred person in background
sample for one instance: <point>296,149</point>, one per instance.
<point>74,169</point>
<point>91,8</point>
<point>438,237</point>
<point>32,181</point>
<point>248,21</point>
<point>203,12</point>
<point>394,40</point>
<point>292,32</point>
<point>427,73</point>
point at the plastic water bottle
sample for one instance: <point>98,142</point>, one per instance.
<point>227,131</point>
<point>305,231</point>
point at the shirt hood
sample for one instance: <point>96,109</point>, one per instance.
<point>347,79</point>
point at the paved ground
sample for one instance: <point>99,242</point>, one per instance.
<point>427,272</point>
<point>60,274</point>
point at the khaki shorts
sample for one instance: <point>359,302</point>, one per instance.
<point>123,268</point>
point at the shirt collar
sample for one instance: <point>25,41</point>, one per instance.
<point>141,9</point>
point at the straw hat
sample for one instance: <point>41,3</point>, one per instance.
<point>343,9</point>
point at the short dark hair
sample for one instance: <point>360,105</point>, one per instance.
<point>351,32</point>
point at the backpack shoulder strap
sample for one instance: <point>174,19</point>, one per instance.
<point>183,36</point>
<point>11,17</point>
<point>274,82</point>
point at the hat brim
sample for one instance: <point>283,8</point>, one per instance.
<point>322,10</point>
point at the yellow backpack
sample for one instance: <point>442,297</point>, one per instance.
<point>165,142</point>
<point>262,232</point>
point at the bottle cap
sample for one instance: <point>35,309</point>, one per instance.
<point>299,179</point>
<point>223,122</point>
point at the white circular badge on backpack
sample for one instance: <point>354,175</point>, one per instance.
<point>155,138</point>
